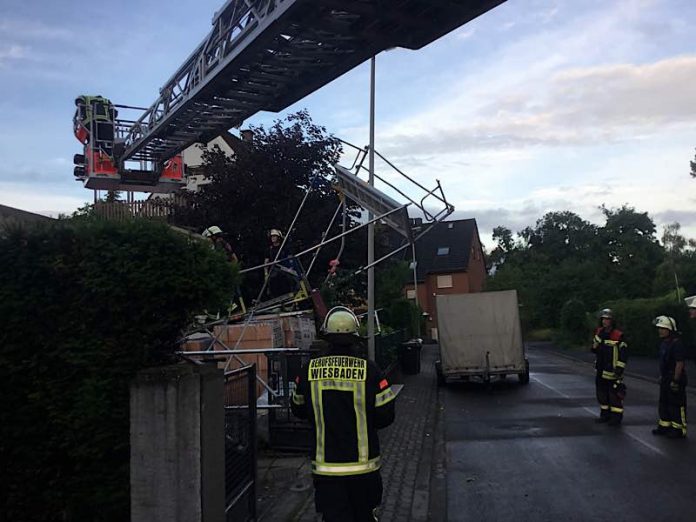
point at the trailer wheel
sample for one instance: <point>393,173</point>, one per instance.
<point>524,377</point>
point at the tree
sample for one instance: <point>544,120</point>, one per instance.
<point>678,270</point>
<point>262,186</point>
<point>632,251</point>
<point>693,168</point>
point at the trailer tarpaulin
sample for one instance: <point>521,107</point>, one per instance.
<point>471,325</point>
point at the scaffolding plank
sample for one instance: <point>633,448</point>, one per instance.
<point>374,200</point>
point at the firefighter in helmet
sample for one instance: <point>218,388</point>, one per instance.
<point>673,380</point>
<point>346,399</point>
<point>611,354</point>
<point>215,234</point>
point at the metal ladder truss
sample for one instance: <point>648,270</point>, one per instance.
<point>264,55</point>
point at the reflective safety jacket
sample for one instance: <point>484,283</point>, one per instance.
<point>612,353</point>
<point>346,400</point>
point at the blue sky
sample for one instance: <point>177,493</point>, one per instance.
<point>535,106</point>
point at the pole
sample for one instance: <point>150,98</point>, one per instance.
<point>371,228</point>
<point>415,287</point>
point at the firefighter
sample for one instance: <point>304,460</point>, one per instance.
<point>673,380</point>
<point>346,399</point>
<point>283,277</point>
<point>611,350</point>
<point>215,235</point>
<point>691,305</point>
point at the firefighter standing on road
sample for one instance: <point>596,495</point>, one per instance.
<point>609,346</point>
<point>346,399</point>
<point>673,380</point>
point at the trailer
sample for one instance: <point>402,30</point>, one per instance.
<point>480,337</point>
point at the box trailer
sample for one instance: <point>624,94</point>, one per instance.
<point>480,337</point>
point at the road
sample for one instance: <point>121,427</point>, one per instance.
<point>534,453</point>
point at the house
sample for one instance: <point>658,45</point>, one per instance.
<point>449,260</point>
<point>193,156</point>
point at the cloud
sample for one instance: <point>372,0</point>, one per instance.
<point>12,52</point>
<point>580,106</point>
<point>33,30</point>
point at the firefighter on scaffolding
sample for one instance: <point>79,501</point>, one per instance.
<point>346,399</point>
<point>611,354</point>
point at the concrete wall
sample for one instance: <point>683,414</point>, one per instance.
<point>177,445</point>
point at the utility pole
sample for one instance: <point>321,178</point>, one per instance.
<point>371,227</point>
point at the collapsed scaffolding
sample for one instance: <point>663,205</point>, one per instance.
<point>430,203</point>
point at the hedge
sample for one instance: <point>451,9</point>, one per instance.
<point>85,305</point>
<point>635,317</point>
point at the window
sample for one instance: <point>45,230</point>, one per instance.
<point>410,294</point>
<point>442,251</point>
<point>444,281</point>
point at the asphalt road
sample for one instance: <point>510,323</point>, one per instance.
<point>534,453</point>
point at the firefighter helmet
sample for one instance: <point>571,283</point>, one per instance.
<point>212,231</point>
<point>275,232</point>
<point>607,313</point>
<point>663,321</point>
<point>690,301</point>
<point>340,321</point>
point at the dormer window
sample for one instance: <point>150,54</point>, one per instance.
<point>443,251</point>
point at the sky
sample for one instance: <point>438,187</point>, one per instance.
<point>536,106</point>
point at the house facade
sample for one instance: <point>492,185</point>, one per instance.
<point>449,260</point>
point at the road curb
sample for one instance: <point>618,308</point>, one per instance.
<point>438,472</point>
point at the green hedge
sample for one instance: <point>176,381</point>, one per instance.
<point>635,317</point>
<point>85,305</point>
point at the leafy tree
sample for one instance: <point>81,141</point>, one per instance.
<point>679,267</point>
<point>693,168</point>
<point>262,186</point>
<point>633,252</point>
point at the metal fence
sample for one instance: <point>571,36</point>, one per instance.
<point>387,350</point>
<point>240,444</point>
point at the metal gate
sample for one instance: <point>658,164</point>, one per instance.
<point>240,444</point>
<point>286,432</point>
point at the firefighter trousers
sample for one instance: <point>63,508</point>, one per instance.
<point>672,409</point>
<point>610,403</point>
<point>348,499</point>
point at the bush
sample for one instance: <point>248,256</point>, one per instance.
<point>635,316</point>
<point>85,306</point>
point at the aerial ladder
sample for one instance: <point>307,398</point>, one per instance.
<point>260,55</point>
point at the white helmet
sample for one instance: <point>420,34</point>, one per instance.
<point>690,301</point>
<point>663,321</point>
<point>340,320</point>
<point>607,313</point>
<point>275,232</point>
<point>212,231</point>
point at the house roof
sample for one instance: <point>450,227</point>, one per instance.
<point>453,239</point>
<point>11,214</point>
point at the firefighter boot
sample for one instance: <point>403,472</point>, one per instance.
<point>603,416</point>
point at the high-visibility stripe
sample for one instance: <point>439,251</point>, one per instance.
<point>597,339</point>
<point>298,399</point>
<point>603,406</point>
<point>677,425</point>
<point>664,424</point>
<point>609,342</point>
<point>614,409</point>
<point>615,356</point>
<point>359,404</point>
<point>682,410</point>
<point>337,385</point>
<point>384,397</point>
<point>620,364</point>
<point>608,375</point>
<point>318,419</point>
<point>345,468</point>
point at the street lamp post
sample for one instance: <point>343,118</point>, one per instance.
<point>371,227</point>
